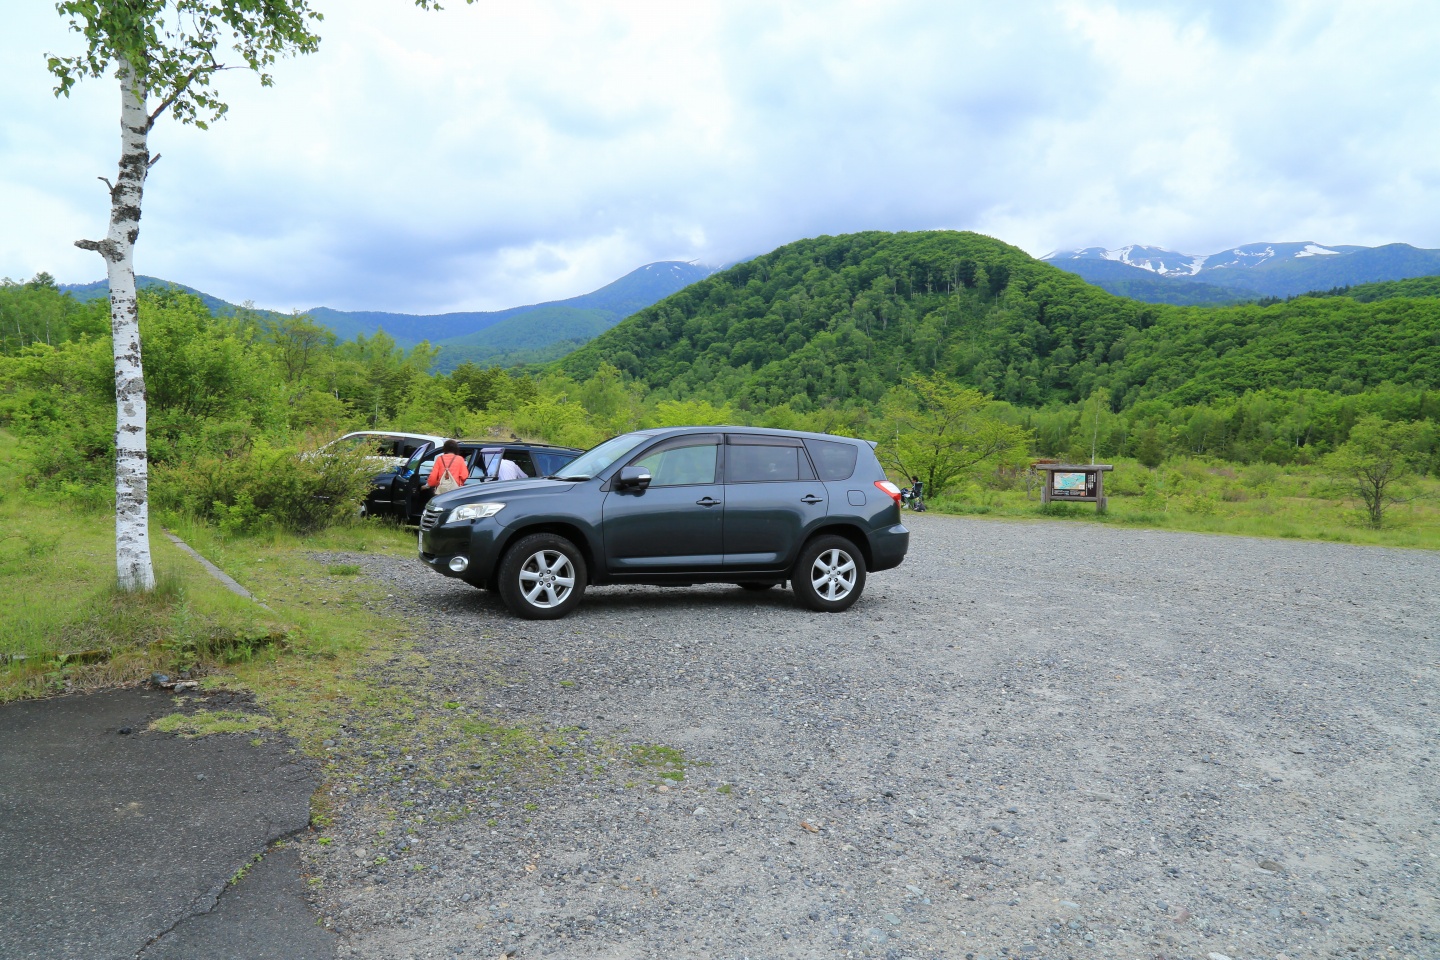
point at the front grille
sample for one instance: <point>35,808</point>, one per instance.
<point>430,519</point>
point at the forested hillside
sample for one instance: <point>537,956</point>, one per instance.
<point>1385,290</point>
<point>869,335</point>
<point>842,319</point>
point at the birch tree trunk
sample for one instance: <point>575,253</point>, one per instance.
<point>132,505</point>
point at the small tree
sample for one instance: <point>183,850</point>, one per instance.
<point>162,49</point>
<point>166,50</point>
<point>1376,459</point>
<point>1151,450</point>
<point>938,430</point>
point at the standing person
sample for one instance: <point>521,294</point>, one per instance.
<point>449,471</point>
<point>511,471</point>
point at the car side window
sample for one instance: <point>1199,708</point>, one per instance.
<point>428,463</point>
<point>550,464</point>
<point>746,463</point>
<point>680,466</point>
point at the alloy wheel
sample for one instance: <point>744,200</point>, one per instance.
<point>547,579</point>
<point>833,574</point>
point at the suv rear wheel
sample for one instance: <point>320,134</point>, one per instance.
<point>830,574</point>
<point>542,577</point>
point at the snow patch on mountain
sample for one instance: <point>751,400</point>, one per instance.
<point>1169,263</point>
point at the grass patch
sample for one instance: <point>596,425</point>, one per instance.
<point>203,723</point>
<point>65,626</point>
<point>666,763</point>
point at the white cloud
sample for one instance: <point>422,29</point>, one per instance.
<point>497,154</point>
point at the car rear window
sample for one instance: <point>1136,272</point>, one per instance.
<point>834,461</point>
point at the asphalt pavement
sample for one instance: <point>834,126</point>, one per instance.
<point>119,842</point>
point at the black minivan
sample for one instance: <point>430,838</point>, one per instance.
<point>677,506</point>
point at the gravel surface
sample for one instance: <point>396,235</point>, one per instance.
<point>1032,740</point>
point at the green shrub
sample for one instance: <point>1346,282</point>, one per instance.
<point>267,488</point>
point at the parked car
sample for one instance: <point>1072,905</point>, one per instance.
<point>388,451</point>
<point>677,506</point>
<point>385,448</point>
<point>403,492</point>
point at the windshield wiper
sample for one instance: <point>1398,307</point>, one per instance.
<point>572,479</point>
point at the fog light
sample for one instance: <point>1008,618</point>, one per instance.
<point>458,564</point>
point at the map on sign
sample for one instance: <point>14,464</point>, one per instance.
<point>1070,481</point>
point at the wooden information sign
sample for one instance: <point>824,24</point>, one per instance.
<point>1074,483</point>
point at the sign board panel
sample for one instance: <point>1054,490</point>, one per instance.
<point>1076,484</point>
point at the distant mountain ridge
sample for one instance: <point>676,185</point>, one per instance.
<point>1246,272</point>
<point>100,289</point>
<point>525,334</point>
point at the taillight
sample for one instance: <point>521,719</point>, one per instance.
<point>889,489</point>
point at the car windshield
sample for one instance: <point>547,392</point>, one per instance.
<point>596,459</point>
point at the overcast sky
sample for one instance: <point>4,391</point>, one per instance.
<point>497,154</point>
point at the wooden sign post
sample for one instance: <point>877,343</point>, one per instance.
<point>1074,483</point>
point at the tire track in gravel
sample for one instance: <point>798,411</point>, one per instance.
<point>1033,739</point>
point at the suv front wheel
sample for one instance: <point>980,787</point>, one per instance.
<point>542,577</point>
<point>830,574</point>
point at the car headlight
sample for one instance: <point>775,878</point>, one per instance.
<point>476,511</point>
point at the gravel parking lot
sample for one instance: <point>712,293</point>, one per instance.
<point>1032,740</point>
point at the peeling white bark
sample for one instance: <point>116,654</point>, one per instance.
<point>132,504</point>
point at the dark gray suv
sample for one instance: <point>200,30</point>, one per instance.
<point>677,506</point>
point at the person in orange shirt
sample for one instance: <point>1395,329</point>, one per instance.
<point>449,472</point>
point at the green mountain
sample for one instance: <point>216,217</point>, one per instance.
<point>1386,290</point>
<point>100,290</point>
<point>546,331</point>
<point>532,333</point>
<point>1124,280</point>
<point>844,318</point>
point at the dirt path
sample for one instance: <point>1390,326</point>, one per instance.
<point>1033,740</point>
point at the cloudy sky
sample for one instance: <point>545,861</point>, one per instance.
<point>497,154</point>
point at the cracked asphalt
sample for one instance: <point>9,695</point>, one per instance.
<point>117,842</point>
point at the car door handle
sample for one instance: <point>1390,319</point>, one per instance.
<point>811,498</point>
<point>709,502</point>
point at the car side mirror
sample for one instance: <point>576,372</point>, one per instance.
<point>633,477</point>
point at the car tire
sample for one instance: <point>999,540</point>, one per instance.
<point>830,574</point>
<point>542,577</point>
<point>758,587</point>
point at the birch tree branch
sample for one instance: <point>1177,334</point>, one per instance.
<point>180,89</point>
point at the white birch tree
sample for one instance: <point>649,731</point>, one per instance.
<point>165,51</point>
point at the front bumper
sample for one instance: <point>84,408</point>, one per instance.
<point>477,541</point>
